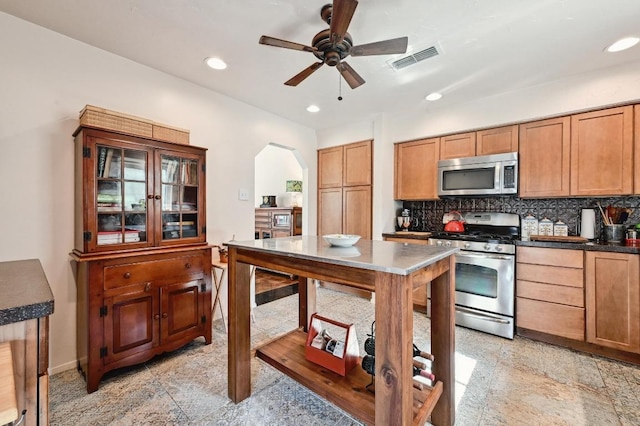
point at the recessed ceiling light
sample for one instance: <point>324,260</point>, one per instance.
<point>433,96</point>
<point>623,44</point>
<point>215,63</point>
<point>313,108</point>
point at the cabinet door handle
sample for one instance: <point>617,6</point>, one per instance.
<point>156,316</point>
<point>164,315</point>
<point>127,275</point>
<point>157,197</point>
<point>187,265</point>
<point>147,287</point>
<point>150,196</point>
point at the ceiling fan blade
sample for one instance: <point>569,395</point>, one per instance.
<point>298,78</point>
<point>341,15</point>
<point>350,75</point>
<point>386,47</point>
<point>272,41</point>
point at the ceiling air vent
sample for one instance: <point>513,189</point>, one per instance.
<point>427,53</point>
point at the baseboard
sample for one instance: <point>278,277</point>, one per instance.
<point>71,365</point>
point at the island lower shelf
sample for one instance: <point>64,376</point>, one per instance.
<point>286,354</point>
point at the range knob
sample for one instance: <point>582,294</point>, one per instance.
<point>467,245</point>
<point>499,248</point>
<point>448,244</point>
<point>487,247</point>
<point>438,243</point>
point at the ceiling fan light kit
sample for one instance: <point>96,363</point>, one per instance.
<point>331,46</point>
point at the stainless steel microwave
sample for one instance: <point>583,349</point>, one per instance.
<point>495,174</point>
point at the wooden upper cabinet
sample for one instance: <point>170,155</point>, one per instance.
<point>602,152</point>
<point>612,290</point>
<point>416,169</point>
<point>497,141</point>
<point>544,158</point>
<point>357,167</point>
<point>457,146</point>
<point>330,167</point>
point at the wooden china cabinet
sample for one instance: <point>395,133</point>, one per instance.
<point>143,267</point>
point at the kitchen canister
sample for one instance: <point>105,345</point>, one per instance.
<point>560,229</point>
<point>529,227</point>
<point>545,227</point>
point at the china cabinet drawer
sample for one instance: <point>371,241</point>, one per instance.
<point>135,273</point>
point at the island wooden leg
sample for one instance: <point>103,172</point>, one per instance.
<point>443,343</point>
<point>394,350</point>
<point>306,301</point>
<point>239,312</point>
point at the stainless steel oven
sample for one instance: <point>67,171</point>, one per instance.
<point>485,271</point>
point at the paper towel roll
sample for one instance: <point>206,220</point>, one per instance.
<point>588,223</point>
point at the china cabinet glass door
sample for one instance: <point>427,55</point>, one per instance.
<point>121,195</point>
<point>179,194</point>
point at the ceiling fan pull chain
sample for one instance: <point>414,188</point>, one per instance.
<point>339,87</point>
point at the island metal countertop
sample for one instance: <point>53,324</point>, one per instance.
<point>383,256</point>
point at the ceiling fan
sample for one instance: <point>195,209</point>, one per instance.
<point>333,45</point>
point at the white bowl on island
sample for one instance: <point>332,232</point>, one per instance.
<point>341,240</point>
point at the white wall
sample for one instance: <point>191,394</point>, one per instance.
<point>276,165</point>
<point>45,80</point>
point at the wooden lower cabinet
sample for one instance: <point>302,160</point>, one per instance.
<point>613,300</point>
<point>550,291</point>
<point>134,307</point>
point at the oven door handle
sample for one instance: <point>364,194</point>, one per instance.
<point>483,256</point>
<point>483,316</point>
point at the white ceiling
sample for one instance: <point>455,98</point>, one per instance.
<point>486,47</point>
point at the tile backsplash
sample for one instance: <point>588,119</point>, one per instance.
<point>427,215</point>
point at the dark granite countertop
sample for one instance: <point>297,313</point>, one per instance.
<point>24,291</point>
<point>590,246</point>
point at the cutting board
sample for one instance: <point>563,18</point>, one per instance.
<point>558,239</point>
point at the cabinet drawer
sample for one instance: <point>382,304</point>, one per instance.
<point>573,296</point>
<point>550,318</point>
<point>135,273</point>
<point>551,257</point>
<point>571,277</point>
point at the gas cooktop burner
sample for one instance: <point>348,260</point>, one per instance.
<point>483,237</point>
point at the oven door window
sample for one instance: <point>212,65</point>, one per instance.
<point>485,281</point>
<point>476,279</point>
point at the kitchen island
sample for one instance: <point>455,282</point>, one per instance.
<point>392,271</point>
<point>26,302</point>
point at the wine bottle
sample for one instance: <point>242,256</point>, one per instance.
<point>425,355</point>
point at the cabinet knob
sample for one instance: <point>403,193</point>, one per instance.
<point>164,315</point>
<point>147,287</point>
<point>157,197</point>
<point>187,265</point>
<point>156,316</point>
<point>127,275</point>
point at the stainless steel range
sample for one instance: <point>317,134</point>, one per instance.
<point>485,271</point>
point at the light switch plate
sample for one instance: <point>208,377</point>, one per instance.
<point>243,194</point>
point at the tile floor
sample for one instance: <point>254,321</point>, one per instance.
<point>498,382</point>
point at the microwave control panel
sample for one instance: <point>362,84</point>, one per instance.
<point>509,177</point>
